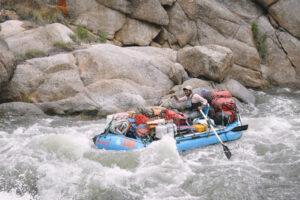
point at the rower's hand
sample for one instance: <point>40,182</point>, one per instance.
<point>199,108</point>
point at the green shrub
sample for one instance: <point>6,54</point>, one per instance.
<point>27,100</point>
<point>73,37</point>
<point>8,6</point>
<point>33,53</point>
<point>262,46</point>
<point>51,16</point>
<point>102,36</point>
<point>254,28</point>
<point>36,16</point>
<point>82,33</point>
<point>63,45</point>
<point>40,16</point>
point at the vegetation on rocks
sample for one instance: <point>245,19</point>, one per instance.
<point>262,46</point>
<point>82,34</point>
<point>33,12</point>
<point>27,100</point>
<point>8,6</point>
<point>102,36</point>
<point>260,41</point>
<point>47,16</point>
<point>67,46</point>
<point>33,53</point>
<point>254,28</point>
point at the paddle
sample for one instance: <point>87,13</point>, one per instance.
<point>167,100</point>
<point>225,148</point>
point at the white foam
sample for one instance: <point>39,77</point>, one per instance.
<point>13,196</point>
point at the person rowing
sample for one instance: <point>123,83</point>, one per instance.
<point>194,103</point>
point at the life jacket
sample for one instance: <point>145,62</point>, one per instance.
<point>192,106</point>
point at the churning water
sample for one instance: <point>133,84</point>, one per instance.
<point>54,158</point>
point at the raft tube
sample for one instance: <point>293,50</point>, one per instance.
<point>117,142</point>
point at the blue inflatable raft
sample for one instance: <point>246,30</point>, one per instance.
<point>111,141</point>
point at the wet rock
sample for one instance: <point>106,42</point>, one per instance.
<point>20,109</point>
<point>238,90</point>
<point>44,79</point>
<point>247,77</point>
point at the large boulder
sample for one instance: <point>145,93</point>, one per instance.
<point>245,9</point>
<point>135,32</point>
<point>11,27</point>
<point>247,77</point>
<point>162,58</point>
<point>287,14</point>
<point>111,62</point>
<point>120,5</point>
<point>102,78</point>
<point>7,64</point>
<point>150,11</point>
<point>20,109</point>
<point>280,70</point>
<point>180,26</point>
<point>291,46</point>
<point>227,23</point>
<point>42,38</point>
<point>211,61</point>
<point>44,79</point>
<point>238,90</point>
<point>177,74</point>
<point>97,17</point>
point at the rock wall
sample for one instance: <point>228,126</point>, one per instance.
<point>254,42</point>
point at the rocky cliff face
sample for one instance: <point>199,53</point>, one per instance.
<point>255,42</point>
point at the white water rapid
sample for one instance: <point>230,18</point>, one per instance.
<point>55,159</point>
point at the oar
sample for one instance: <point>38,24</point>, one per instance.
<point>167,100</point>
<point>225,148</point>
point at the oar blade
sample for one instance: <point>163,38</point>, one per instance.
<point>227,152</point>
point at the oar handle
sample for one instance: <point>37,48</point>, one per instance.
<point>211,126</point>
<point>167,100</point>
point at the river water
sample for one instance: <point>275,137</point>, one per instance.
<point>54,158</point>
